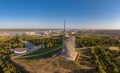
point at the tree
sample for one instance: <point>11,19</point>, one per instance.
<point>49,45</point>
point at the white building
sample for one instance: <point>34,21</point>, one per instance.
<point>30,33</point>
<point>20,50</point>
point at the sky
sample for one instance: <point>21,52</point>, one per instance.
<point>79,14</point>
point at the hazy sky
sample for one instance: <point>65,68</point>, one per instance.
<point>102,14</point>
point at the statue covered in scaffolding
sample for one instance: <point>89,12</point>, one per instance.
<point>68,46</point>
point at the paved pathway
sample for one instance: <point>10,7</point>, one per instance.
<point>30,47</point>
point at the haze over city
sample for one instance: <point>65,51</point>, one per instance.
<point>79,14</point>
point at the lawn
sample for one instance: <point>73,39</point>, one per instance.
<point>42,50</point>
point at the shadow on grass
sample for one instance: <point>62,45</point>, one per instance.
<point>19,67</point>
<point>83,71</point>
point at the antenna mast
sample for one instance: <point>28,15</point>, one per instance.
<point>64,27</point>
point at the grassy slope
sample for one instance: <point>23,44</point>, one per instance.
<point>43,50</point>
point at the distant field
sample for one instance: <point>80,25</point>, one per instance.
<point>114,48</point>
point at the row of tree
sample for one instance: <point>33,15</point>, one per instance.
<point>5,54</point>
<point>96,40</point>
<point>104,61</point>
<point>6,66</point>
<point>10,44</point>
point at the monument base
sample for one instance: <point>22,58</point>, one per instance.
<point>71,58</point>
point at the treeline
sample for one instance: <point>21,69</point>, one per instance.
<point>103,60</point>
<point>6,54</point>
<point>94,40</point>
<point>48,42</point>
<point>13,43</point>
<point>10,44</point>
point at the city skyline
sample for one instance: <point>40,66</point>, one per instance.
<point>79,14</point>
